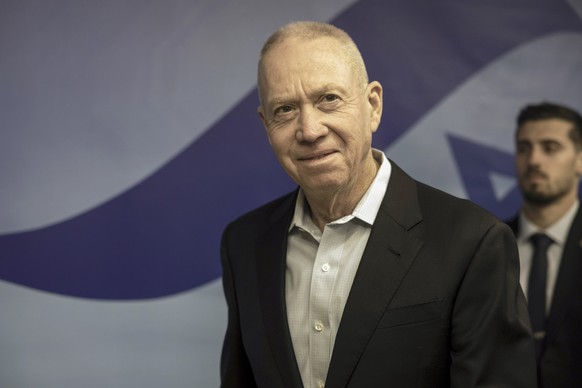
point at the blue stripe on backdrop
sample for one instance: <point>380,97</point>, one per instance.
<point>161,237</point>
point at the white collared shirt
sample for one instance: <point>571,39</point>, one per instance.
<point>558,232</point>
<point>320,270</point>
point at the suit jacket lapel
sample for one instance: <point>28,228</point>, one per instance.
<point>390,251</point>
<point>271,248</point>
<point>568,275</point>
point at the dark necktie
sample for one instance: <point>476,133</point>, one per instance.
<point>536,293</point>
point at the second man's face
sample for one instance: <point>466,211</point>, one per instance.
<point>318,115</point>
<point>548,163</point>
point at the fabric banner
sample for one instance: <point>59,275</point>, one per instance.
<point>129,138</point>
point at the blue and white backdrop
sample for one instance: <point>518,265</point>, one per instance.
<point>129,138</point>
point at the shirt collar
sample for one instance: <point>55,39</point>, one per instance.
<point>558,231</point>
<point>366,209</point>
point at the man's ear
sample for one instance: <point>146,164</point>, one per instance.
<point>375,101</point>
<point>579,162</point>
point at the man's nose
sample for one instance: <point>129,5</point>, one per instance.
<point>535,156</point>
<point>310,128</point>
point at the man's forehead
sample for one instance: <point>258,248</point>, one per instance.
<point>305,50</point>
<point>545,130</point>
<point>296,63</point>
<point>317,70</point>
<point>553,125</point>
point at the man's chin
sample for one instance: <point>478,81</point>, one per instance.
<point>539,198</point>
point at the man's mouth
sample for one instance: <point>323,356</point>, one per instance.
<point>535,175</point>
<point>317,157</point>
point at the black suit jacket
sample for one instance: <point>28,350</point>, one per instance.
<point>561,360</point>
<point>435,302</point>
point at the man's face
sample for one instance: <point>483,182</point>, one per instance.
<point>318,115</point>
<point>548,163</point>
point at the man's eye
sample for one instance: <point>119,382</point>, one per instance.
<point>283,109</point>
<point>551,147</point>
<point>330,98</point>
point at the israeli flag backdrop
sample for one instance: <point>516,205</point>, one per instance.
<point>129,138</point>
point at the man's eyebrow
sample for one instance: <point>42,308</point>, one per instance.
<point>279,101</point>
<point>325,89</point>
<point>539,141</point>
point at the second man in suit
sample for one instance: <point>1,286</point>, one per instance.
<point>549,235</point>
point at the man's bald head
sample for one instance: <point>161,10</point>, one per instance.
<point>307,31</point>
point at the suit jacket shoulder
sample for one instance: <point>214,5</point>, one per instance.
<point>562,356</point>
<point>264,215</point>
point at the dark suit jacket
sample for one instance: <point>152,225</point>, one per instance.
<point>561,361</point>
<point>435,302</point>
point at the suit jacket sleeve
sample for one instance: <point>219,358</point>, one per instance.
<point>235,368</point>
<point>491,343</point>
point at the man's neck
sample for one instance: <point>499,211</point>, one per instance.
<point>546,215</point>
<point>330,208</point>
<point>326,207</point>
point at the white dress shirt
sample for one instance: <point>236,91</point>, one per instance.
<point>320,270</point>
<point>558,232</point>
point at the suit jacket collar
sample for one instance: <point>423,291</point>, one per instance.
<point>271,252</point>
<point>568,274</point>
<point>390,251</point>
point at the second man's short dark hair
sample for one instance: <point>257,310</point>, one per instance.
<point>548,110</point>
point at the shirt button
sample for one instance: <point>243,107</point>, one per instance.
<point>320,384</point>
<point>318,326</point>
<point>325,267</point>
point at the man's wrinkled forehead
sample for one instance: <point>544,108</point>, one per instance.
<point>301,45</point>
<point>312,59</point>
